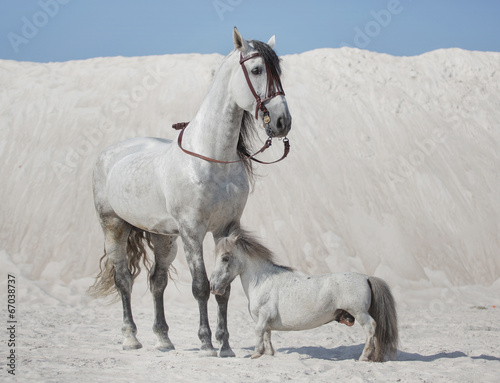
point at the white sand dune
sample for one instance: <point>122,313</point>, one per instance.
<point>394,171</point>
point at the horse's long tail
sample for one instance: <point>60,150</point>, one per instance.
<point>383,311</point>
<point>137,241</point>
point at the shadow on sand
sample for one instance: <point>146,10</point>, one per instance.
<point>354,352</point>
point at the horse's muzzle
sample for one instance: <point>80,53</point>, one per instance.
<point>280,127</point>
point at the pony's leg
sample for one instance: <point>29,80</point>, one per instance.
<point>268,346</point>
<point>222,334</point>
<point>368,324</point>
<point>165,250</point>
<point>260,331</point>
<point>116,232</point>
<point>201,290</point>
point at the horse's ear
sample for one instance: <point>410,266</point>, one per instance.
<point>272,42</point>
<point>239,42</point>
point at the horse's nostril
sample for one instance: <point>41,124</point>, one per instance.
<point>280,125</point>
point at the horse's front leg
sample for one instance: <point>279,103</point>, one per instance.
<point>201,291</point>
<point>222,333</point>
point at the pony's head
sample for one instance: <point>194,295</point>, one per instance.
<point>233,250</point>
<point>228,263</point>
<point>256,84</point>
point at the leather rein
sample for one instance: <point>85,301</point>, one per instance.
<point>273,89</point>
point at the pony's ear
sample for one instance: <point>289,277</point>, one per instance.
<point>226,244</point>
<point>272,42</point>
<point>233,238</point>
<point>239,42</point>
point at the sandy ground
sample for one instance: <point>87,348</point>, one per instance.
<point>70,338</point>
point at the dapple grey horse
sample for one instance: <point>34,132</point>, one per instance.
<point>156,190</point>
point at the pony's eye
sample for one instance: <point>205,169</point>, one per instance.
<point>225,259</point>
<point>256,71</point>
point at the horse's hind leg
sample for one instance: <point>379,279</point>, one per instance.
<point>116,232</point>
<point>222,333</point>
<point>165,250</point>
<point>368,324</point>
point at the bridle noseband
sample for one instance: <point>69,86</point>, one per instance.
<point>273,89</point>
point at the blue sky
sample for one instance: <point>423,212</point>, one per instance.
<point>61,30</point>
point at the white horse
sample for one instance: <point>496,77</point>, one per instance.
<point>284,300</point>
<point>155,190</point>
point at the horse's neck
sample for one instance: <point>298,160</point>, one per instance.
<point>214,131</point>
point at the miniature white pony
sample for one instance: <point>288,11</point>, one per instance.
<point>157,190</point>
<point>281,299</point>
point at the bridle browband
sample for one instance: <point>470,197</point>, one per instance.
<point>273,89</point>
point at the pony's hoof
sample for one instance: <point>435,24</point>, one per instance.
<point>226,353</point>
<point>255,355</point>
<point>207,351</point>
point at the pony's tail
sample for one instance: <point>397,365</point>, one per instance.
<point>383,311</point>
<point>104,284</point>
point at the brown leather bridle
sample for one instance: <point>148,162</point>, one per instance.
<point>273,89</point>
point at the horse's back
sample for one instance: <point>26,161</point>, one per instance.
<point>133,146</point>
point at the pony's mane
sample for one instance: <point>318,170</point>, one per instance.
<point>236,236</point>
<point>247,129</point>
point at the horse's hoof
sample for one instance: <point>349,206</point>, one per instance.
<point>132,345</point>
<point>255,355</point>
<point>207,351</point>
<point>226,353</point>
<point>164,346</point>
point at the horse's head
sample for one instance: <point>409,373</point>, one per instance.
<point>256,85</point>
<point>228,264</point>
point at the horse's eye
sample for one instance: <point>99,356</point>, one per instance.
<point>256,71</point>
<point>225,259</point>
